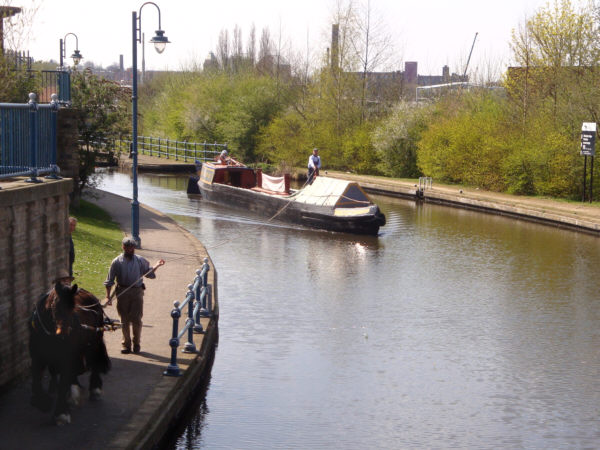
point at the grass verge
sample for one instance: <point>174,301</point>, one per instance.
<point>97,241</point>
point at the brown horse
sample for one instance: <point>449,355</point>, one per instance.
<point>67,337</point>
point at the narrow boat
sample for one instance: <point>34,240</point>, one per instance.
<point>327,203</point>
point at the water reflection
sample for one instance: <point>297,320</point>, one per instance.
<point>450,329</point>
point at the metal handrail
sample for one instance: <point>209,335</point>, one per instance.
<point>28,139</point>
<point>172,149</point>
<point>201,292</point>
<point>425,182</point>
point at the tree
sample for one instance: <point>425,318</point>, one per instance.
<point>373,47</point>
<point>251,46</point>
<point>102,105</point>
<point>396,140</point>
<point>15,82</point>
<point>223,54</point>
<point>555,88</point>
<point>557,52</point>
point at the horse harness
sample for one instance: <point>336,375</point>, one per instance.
<point>50,304</point>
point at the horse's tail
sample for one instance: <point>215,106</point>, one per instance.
<point>90,312</point>
<point>99,360</point>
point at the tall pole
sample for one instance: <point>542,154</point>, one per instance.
<point>584,176</point>
<point>61,54</point>
<point>143,59</point>
<point>591,178</point>
<point>135,206</point>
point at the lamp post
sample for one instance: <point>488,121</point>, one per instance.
<point>77,57</point>
<point>160,41</point>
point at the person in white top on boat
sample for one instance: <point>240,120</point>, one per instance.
<point>224,158</point>
<point>314,164</point>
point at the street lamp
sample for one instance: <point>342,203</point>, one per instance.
<point>160,41</point>
<point>76,55</point>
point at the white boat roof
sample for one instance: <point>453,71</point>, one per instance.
<point>333,192</point>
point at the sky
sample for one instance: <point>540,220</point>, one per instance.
<point>432,32</point>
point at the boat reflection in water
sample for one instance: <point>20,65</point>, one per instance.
<point>327,203</point>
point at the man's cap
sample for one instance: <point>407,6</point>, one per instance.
<point>315,149</point>
<point>224,153</point>
<point>128,241</point>
<point>62,273</point>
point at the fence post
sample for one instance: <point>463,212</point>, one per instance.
<point>33,139</point>
<point>205,311</point>
<point>53,126</point>
<point>198,328</point>
<point>189,346</point>
<point>176,149</point>
<point>185,150</point>
<point>173,369</point>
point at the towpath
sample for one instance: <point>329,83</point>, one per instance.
<point>138,401</point>
<point>577,215</point>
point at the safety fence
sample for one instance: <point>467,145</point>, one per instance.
<point>199,304</point>
<point>425,183</point>
<point>28,139</point>
<point>171,149</point>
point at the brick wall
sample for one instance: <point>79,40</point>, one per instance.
<point>34,244</point>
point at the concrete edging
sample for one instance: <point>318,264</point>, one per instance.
<point>175,395</point>
<point>490,207</point>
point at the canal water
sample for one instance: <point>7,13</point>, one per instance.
<point>450,329</point>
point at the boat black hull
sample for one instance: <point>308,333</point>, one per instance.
<point>288,210</point>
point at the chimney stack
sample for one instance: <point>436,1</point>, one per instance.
<point>335,55</point>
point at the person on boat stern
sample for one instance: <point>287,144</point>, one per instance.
<point>314,164</point>
<point>224,158</point>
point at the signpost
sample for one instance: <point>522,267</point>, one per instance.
<point>588,148</point>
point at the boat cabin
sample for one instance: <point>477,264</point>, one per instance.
<point>244,177</point>
<point>237,176</point>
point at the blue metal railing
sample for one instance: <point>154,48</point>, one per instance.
<point>28,139</point>
<point>172,149</point>
<point>201,292</point>
<point>58,81</point>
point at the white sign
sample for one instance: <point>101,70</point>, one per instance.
<point>588,139</point>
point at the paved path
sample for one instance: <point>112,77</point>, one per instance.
<point>135,388</point>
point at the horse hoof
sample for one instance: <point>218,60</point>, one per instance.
<point>62,419</point>
<point>42,402</point>
<point>95,394</point>
<point>75,397</point>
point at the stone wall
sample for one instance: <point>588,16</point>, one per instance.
<point>67,156</point>
<point>34,244</point>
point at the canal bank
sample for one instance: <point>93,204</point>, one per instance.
<point>577,216</point>
<point>139,404</point>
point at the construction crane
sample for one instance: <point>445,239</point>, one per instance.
<point>469,59</point>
